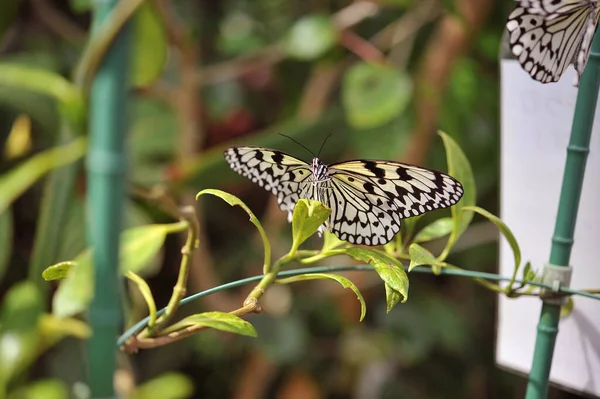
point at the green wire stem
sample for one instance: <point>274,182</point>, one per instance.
<point>562,241</point>
<point>335,269</point>
<point>106,168</point>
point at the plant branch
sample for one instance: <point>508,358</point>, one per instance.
<point>189,215</point>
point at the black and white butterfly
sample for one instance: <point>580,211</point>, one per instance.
<point>368,199</point>
<point>547,36</point>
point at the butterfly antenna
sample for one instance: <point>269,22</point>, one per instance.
<point>300,144</point>
<point>323,145</point>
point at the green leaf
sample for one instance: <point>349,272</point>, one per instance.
<point>308,216</point>
<point>342,280</point>
<point>141,245</point>
<point>512,241</point>
<point>53,329</point>
<point>219,321</point>
<point>235,201</point>
<point>310,37</point>
<point>460,169</point>
<point>165,386</point>
<point>6,238</point>
<point>374,94</point>
<point>58,271</point>
<point>389,269</point>
<point>18,179</point>
<point>70,98</point>
<point>149,46</point>
<point>138,248</point>
<point>567,308</point>
<point>42,389</point>
<point>420,256</point>
<point>80,6</point>
<point>392,297</point>
<point>528,273</point>
<point>22,309</point>
<point>330,241</point>
<point>437,229</point>
<point>76,291</point>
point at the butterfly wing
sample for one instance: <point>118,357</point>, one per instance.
<point>584,51</point>
<point>368,199</point>
<point>550,7</point>
<point>281,174</point>
<point>546,43</point>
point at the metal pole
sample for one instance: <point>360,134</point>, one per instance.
<point>105,193</point>
<point>562,241</point>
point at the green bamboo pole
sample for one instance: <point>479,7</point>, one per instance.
<point>562,241</point>
<point>105,193</point>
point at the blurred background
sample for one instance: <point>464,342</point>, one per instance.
<point>380,76</point>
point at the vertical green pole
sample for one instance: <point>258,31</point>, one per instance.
<point>105,192</point>
<point>562,241</point>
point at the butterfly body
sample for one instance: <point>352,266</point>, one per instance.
<point>368,198</point>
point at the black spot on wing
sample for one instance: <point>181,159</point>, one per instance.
<point>373,168</point>
<point>277,157</point>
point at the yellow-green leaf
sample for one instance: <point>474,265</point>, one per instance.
<point>6,238</point>
<point>392,297</point>
<point>76,291</point>
<point>140,245</point>
<point>219,321</point>
<point>149,46</point>
<point>14,182</point>
<point>22,308</point>
<point>308,216</point>
<point>41,389</point>
<point>420,256</point>
<point>70,98</point>
<point>506,232</point>
<point>330,241</point>
<point>437,229</point>
<point>165,386</point>
<point>460,168</point>
<point>342,280</point>
<point>53,329</point>
<point>389,269</point>
<point>58,271</point>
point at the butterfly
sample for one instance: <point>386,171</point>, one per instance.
<point>368,199</point>
<point>547,36</point>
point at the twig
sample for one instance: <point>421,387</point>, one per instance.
<point>189,214</point>
<point>448,43</point>
<point>143,342</point>
<point>232,69</point>
<point>57,22</point>
<point>361,47</point>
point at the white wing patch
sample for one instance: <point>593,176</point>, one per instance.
<point>547,36</point>
<point>368,199</point>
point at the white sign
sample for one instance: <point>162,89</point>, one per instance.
<point>536,124</point>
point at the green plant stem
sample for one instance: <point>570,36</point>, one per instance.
<point>189,215</point>
<point>480,281</point>
<point>337,269</point>
<point>268,278</point>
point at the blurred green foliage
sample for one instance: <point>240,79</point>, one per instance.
<point>208,74</point>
